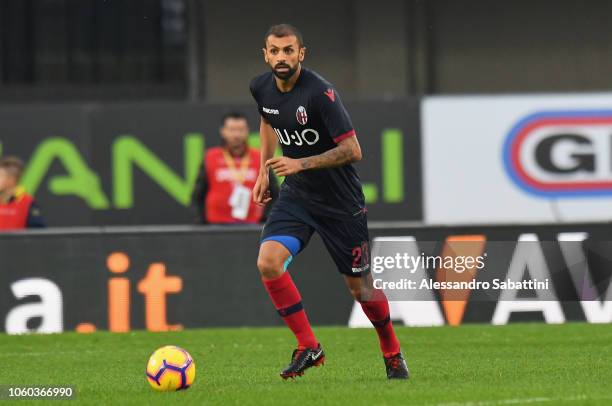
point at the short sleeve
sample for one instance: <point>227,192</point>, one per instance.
<point>253,89</point>
<point>256,96</point>
<point>334,115</point>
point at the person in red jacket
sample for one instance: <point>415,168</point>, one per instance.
<point>222,193</point>
<point>18,210</point>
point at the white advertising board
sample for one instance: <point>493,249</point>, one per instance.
<point>517,159</point>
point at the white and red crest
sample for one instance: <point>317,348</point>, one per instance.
<point>301,115</point>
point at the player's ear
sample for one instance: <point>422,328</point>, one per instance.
<point>265,54</point>
<point>302,54</point>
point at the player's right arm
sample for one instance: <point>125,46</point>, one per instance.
<point>267,137</point>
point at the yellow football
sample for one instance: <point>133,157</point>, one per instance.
<point>170,368</point>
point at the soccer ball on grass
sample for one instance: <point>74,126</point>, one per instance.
<point>170,368</point>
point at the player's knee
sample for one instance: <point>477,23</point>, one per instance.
<point>269,266</point>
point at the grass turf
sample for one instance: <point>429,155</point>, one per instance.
<point>472,365</point>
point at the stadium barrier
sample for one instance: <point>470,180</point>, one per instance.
<point>497,159</point>
<point>170,278</point>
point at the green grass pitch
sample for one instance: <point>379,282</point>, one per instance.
<point>471,365</point>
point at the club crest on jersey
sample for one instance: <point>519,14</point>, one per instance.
<point>301,115</point>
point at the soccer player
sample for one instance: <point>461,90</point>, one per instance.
<point>321,193</point>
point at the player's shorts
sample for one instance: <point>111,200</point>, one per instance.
<point>346,240</point>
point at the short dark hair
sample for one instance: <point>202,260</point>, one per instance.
<point>284,30</point>
<point>235,115</point>
<point>13,165</point>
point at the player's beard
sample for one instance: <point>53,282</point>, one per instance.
<point>286,74</point>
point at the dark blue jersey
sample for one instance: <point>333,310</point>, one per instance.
<point>309,120</point>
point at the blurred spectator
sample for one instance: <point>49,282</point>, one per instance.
<point>222,193</point>
<point>18,210</point>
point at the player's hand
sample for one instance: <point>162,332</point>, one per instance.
<point>284,166</point>
<point>261,193</point>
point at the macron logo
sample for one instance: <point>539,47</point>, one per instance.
<point>330,93</point>
<point>270,111</point>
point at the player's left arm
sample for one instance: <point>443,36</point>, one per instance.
<point>340,127</point>
<point>347,151</point>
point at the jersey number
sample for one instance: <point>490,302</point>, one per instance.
<point>361,255</point>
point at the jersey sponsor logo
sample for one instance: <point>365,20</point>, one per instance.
<point>301,115</point>
<point>330,94</point>
<point>307,135</point>
<point>561,153</point>
<point>270,111</point>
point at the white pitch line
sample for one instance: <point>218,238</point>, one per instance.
<point>517,401</point>
<point>37,353</point>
